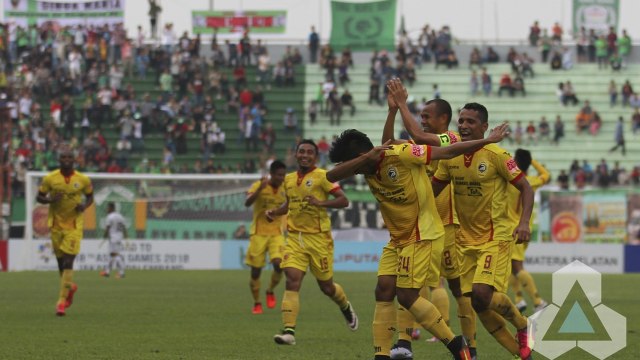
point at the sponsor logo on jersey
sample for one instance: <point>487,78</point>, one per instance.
<point>512,166</point>
<point>417,150</point>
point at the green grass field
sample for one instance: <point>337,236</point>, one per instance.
<point>207,315</point>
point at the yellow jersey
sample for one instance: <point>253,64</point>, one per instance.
<point>515,198</point>
<point>444,201</point>
<point>479,183</point>
<point>269,198</point>
<point>63,214</point>
<point>402,187</point>
<point>303,217</point>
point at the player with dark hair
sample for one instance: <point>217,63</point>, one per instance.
<point>480,180</point>
<point>265,236</point>
<point>63,190</point>
<point>520,278</point>
<point>435,120</point>
<point>309,240</point>
<point>397,177</point>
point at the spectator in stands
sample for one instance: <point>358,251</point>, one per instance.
<point>534,34</point>
<point>556,33</point>
<point>531,134</point>
<point>436,92</point>
<point>154,12</point>
<point>635,121</point>
<point>588,171</point>
<point>264,67</point>
<point>334,107</point>
<point>558,130</point>
<point>289,74</point>
<point>595,124</point>
<point>634,101</point>
<point>601,52</point>
<point>313,45</point>
<point>612,40</point>
<point>563,180</point>
<point>624,47</point>
<point>268,137</point>
<point>486,82</point>
<point>544,129</point>
<point>613,93</point>
<point>635,176</point>
<point>475,58</point>
<point>602,176</point>
<point>290,121</point>
<point>556,61</point>
<point>584,117</point>
<point>506,85</point>
<point>545,43</point>
<point>313,111</point>
<point>245,49</point>
<point>491,57</point>
<point>618,136</point>
<point>474,83</point>
<point>347,101</point>
<point>568,94</point>
<point>567,59</point>
<point>582,45</point>
<point>518,85</point>
<point>518,133</point>
<point>323,152</point>
<point>410,72</point>
<point>627,91</point>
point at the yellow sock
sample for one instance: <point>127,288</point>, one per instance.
<point>514,283</point>
<point>254,284</point>
<point>467,317</point>
<point>405,324</point>
<point>66,281</point>
<point>339,297</point>
<point>440,300</point>
<point>384,327</point>
<point>529,285</point>
<point>497,327</point>
<point>275,280</point>
<point>430,318</point>
<point>501,304</point>
<point>290,308</point>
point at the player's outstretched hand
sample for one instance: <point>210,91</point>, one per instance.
<point>375,153</point>
<point>522,234</point>
<point>397,91</point>
<point>499,132</point>
<point>391,102</point>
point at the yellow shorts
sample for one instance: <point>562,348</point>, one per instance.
<point>66,242</point>
<point>489,263</point>
<point>259,245</point>
<point>519,250</point>
<point>411,264</point>
<point>314,251</point>
<point>449,268</point>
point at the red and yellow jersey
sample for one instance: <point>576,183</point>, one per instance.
<point>269,198</point>
<point>402,187</point>
<point>479,183</point>
<point>63,214</point>
<point>444,201</point>
<point>514,196</point>
<point>303,217</point>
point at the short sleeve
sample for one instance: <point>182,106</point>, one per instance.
<point>329,187</point>
<point>442,173</point>
<point>88,187</point>
<point>45,186</point>
<point>507,167</point>
<point>413,154</point>
<point>254,187</point>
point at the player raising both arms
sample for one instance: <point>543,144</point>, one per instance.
<point>63,190</point>
<point>115,232</point>
<point>265,236</point>
<point>520,276</point>
<point>309,239</point>
<point>435,120</point>
<point>397,177</point>
<point>486,235</point>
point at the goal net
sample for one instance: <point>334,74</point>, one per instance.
<point>155,206</point>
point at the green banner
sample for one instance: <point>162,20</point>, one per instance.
<point>363,26</point>
<point>595,14</point>
<point>262,21</point>
<point>60,13</point>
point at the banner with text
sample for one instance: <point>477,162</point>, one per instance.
<point>259,21</point>
<point>64,13</point>
<point>363,26</point>
<point>595,14</point>
<point>547,258</point>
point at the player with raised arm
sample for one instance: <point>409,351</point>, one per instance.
<point>520,278</point>
<point>397,177</point>
<point>435,120</point>
<point>63,190</point>
<point>309,242</point>
<point>486,236</point>
<point>265,236</point>
<point>115,231</point>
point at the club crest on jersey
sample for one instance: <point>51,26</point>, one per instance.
<point>308,183</point>
<point>392,173</point>
<point>76,185</point>
<point>482,169</point>
<point>417,150</point>
<point>512,166</point>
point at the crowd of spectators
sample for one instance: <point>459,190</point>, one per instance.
<point>602,176</point>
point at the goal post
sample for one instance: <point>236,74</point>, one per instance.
<point>155,206</point>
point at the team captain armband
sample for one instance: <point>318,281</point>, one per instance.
<point>447,139</point>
